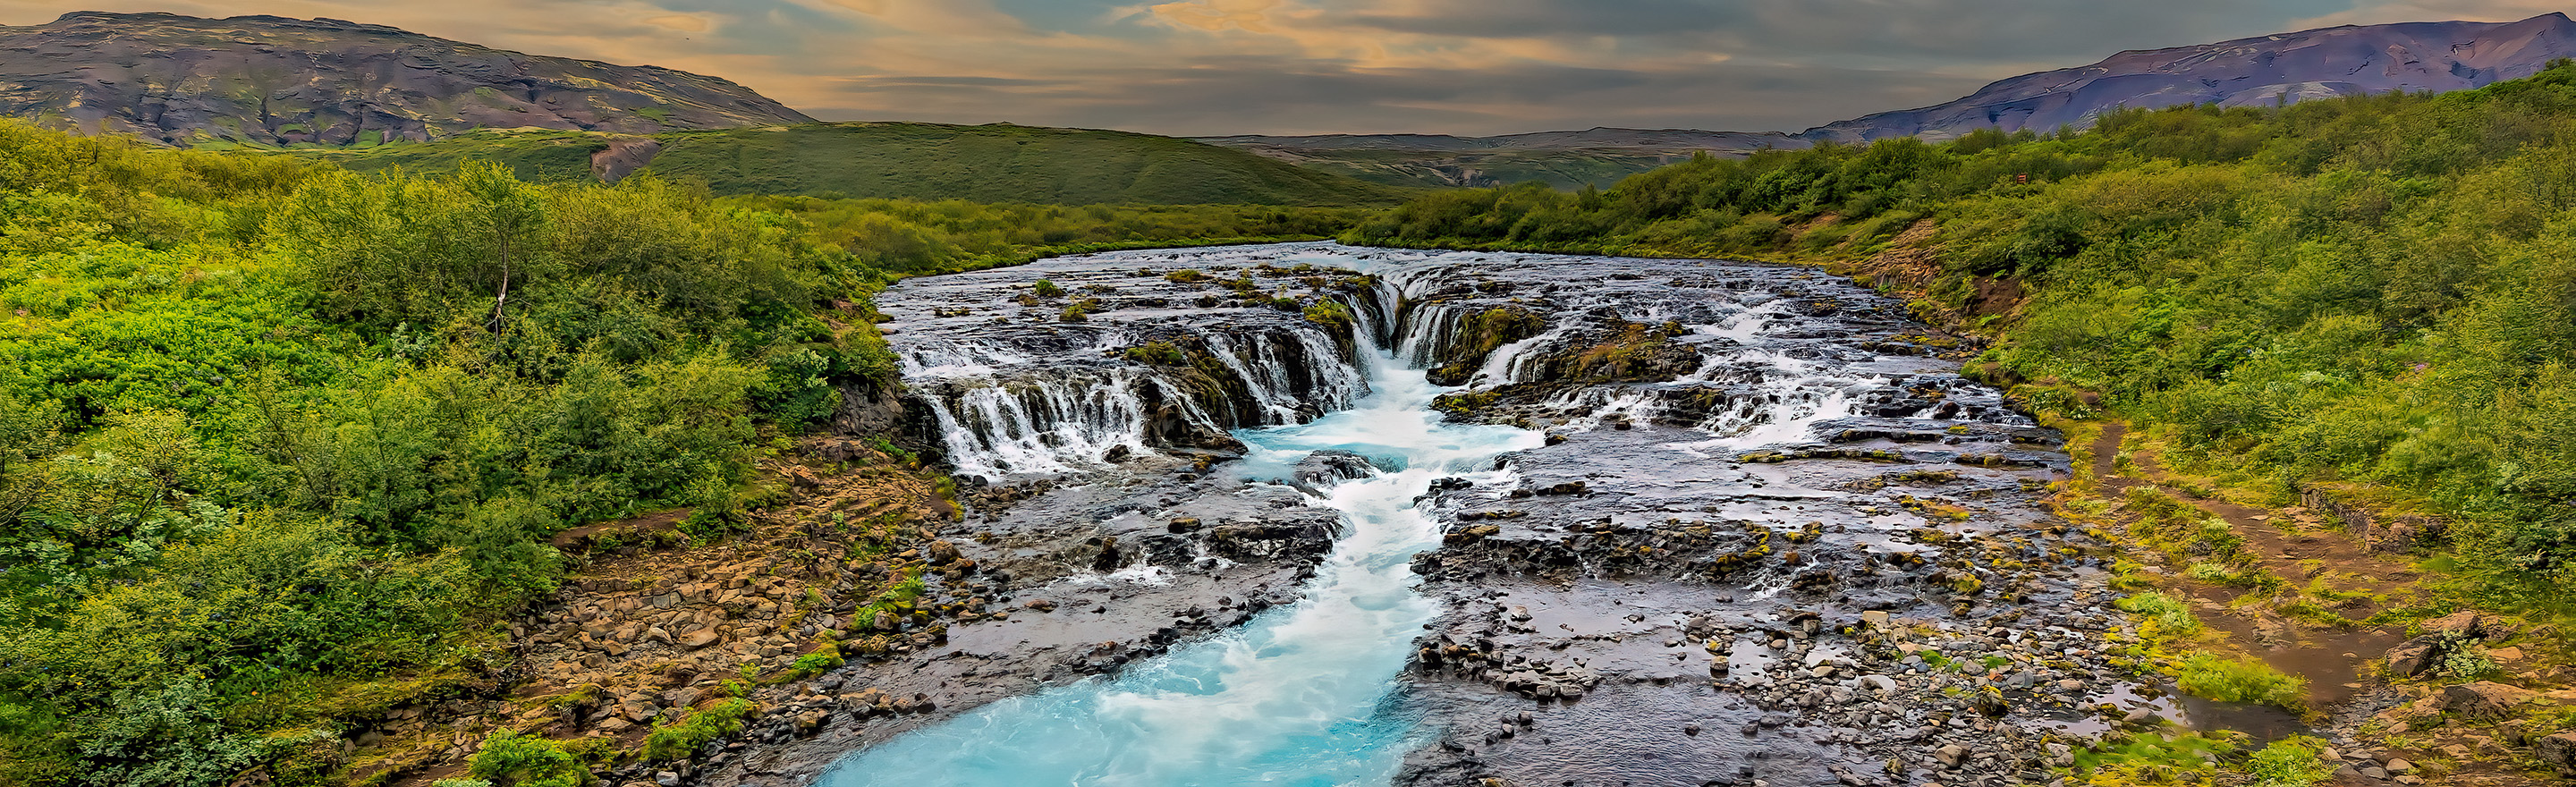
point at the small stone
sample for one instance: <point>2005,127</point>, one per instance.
<point>2481,701</point>
<point>667,779</point>
<point>2400,767</point>
<point>2558,752</point>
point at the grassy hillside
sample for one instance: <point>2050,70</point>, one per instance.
<point>282,447</point>
<point>996,164</point>
<point>989,164</point>
<point>532,154</point>
<point>1566,170</point>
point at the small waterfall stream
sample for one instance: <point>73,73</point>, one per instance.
<point>1298,697</point>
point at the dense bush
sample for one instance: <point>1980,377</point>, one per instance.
<point>2239,680</point>
<point>680,739</point>
<point>509,759</point>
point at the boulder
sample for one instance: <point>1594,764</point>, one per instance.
<point>683,698</point>
<point>2413,657</point>
<point>810,722</point>
<point>699,639</point>
<point>2467,622</point>
<point>2558,752</point>
<point>2483,701</point>
<point>943,553</point>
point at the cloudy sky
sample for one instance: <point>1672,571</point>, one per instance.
<point>1204,67</point>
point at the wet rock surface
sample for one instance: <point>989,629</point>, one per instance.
<point>1802,552</point>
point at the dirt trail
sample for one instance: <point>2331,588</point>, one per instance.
<point>2322,567</point>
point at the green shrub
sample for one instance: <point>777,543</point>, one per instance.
<point>822,660</point>
<point>2170,615</point>
<point>2153,758</point>
<point>2290,762</point>
<point>2462,656</point>
<point>680,740</point>
<point>1330,313</point>
<point>2239,680</point>
<point>509,759</point>
<point>1161,353</point>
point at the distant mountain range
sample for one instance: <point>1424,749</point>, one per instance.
<point>2335,61</point>
<point>275,81</point>
<point>2291,67</point>
<point>264,81</point>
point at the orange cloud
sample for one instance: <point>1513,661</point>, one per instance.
<point>683,22</point>
<point>1248,15</point>
<point>2385,11</point>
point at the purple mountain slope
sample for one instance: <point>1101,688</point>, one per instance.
<point>2335,61</point>
<point>267,80</point>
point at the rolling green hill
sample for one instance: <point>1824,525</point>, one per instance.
<point>1566,170</point>
<point>996,163</point>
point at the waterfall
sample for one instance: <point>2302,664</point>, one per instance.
<point>1046,424</point>
<point>1787,414</point>
<point>1429,330</point>
<point>1503,367</point>
<point>1002,411</point>
<point>1268,386</point>
<point>1290,388</point>
<point>1336,385</point>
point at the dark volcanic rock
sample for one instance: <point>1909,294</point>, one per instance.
<point>277,81</point>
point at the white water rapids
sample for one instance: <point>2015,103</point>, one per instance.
<point>1300,696</point>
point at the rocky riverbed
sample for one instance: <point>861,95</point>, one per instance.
<point>1763,534</point>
